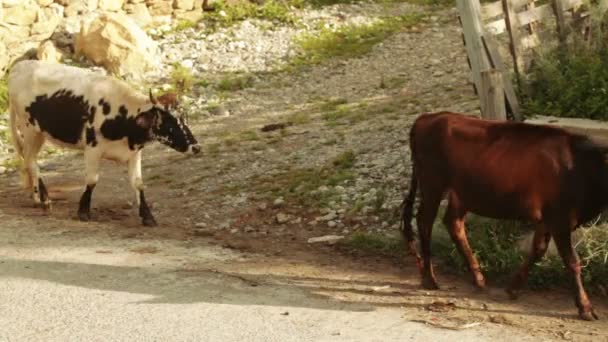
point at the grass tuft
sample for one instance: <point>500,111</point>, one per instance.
<point>349,40</point>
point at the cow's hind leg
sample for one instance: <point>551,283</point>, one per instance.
<point>32,143</point>
<point>454,222</point>
<point>540,243</point>
<point>563,241</point>
<point>429,204</point>
<point>137,183</point>
<point>91,159</point>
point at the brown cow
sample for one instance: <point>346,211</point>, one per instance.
<point>504,170</point>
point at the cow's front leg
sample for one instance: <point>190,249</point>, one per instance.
<point>138,186</point>
<point>91,158</point>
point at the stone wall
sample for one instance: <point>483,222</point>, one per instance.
<point>26,24</point>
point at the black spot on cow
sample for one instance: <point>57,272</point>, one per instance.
<point>90,135</point>
<point>123,126</point>
<point>62,115</point>
<point>92,112</point>
<point>105,107</point>
<point>122,110</point>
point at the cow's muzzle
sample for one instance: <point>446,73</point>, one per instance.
<point>194,149</point>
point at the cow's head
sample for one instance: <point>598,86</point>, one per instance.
<point>168,129</point>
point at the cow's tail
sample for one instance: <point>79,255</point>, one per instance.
<point>407,205</point>
<point>26,181</point>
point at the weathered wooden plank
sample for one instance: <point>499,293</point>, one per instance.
<point>558,11</point>
<point>534,14</point>
<point>491,50</point>
<point>571,4</point>
<point>472,28</point>
<point>493,105</point>
<point>530,42</point>
<point>491,10</point>
<point>519,4</point>
<point>512,24</point>
<point>496,27</point>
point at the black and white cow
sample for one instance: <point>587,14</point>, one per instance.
<point>78,109</point>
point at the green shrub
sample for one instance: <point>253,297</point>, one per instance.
<point>227,15</point>
<point>571,80</point>
<point>3,94</point>
<point>235,82</point>
<point>181,78</point>
<point>349,40</point>
<point>494,243</point>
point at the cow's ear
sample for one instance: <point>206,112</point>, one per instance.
<point>152,98</point>
<point>147,120</point>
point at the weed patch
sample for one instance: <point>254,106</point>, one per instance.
<point>350,40</point>
<point>494,243</point>
<point>572,79</point>
<point>181,78</point>
<point>312,187</point>
<point>3,94</point>
<point>226,15</point>
<point>235,82</point>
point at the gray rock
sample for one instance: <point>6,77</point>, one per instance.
<point>330,239</point>
<point>282,218</point>
<point>279,202</point>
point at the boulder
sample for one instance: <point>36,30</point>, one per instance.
<point>44,3</point>
<point>192,16</point>
<point>48,52</point>
<point>3,59</point>
<point>13,33</point>
<point>187,5</point>
<point>114,41</point>
<point>111,5</point>
<point>21,15</point>
<point>159,7</point>
<point>45,26</point>
<point>139,13</point>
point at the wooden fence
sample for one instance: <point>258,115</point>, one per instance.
<point>522,25</point>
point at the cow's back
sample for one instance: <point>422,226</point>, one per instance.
<point>499,169</point>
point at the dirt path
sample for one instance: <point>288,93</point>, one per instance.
<point>222,265</point>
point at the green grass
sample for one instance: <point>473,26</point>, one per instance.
<point>350,40</point>
<point>494,243</point>
<point>184,25</point>
<point>3,94</point>
<point>235,82</point>
<point>181,78</point>
<point>338,112</point>
<point>571,80</point>
<point>273,10</point>
<point>301,185</point>
<point>300,118</point>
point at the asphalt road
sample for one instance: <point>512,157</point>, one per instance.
<point>55,286</point>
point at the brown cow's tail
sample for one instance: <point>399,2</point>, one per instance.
<point>18,143</point>
<point>407,206</point>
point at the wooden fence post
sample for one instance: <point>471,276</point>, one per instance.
<point>558,10</point>
<point>470,16</point>
<point>512,24</point>
<point>493,95</point>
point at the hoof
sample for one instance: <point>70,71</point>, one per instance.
<point>149,222</point>
<point>513,295</point>
<point>588,315</point>
<point>46,206</point>
<point>429,283</point>
<point>83,216</point>
<point>480,283</point>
